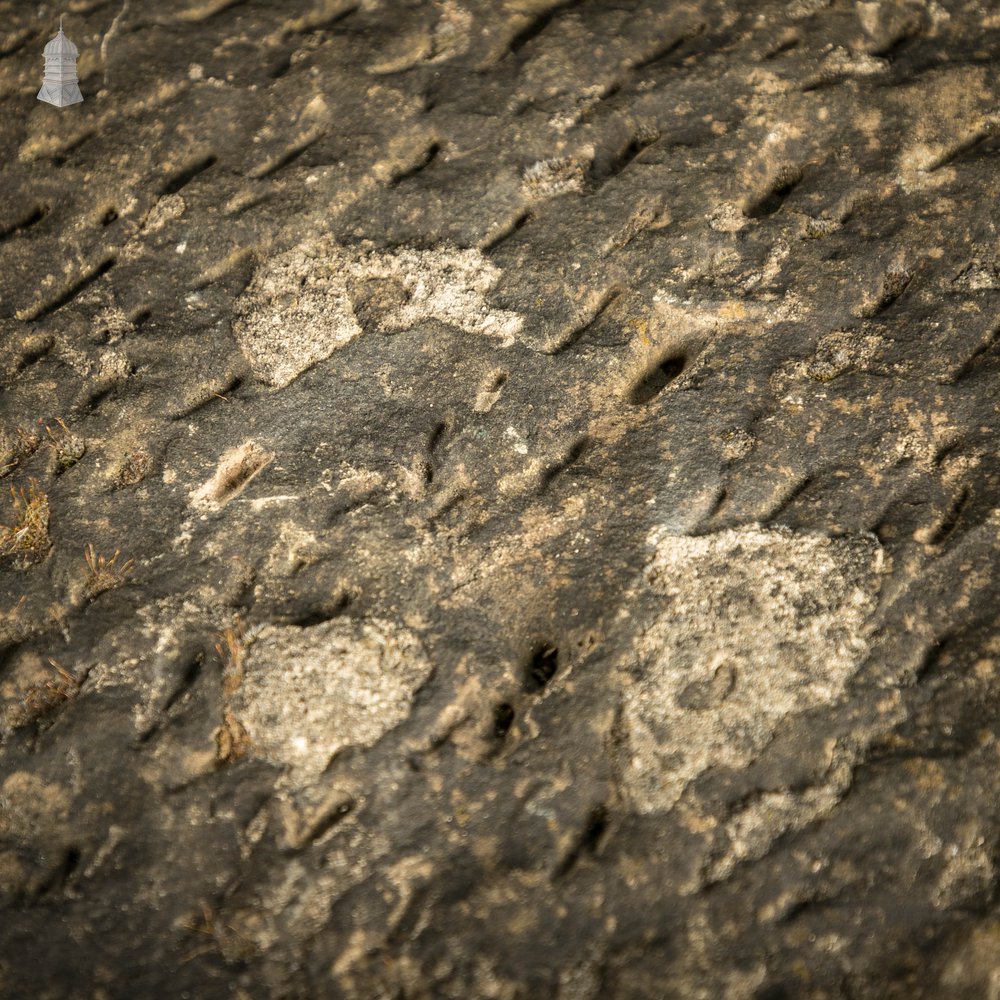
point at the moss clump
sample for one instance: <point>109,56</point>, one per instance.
<point>818,228</point>
<point>133,469</point>
<point>26,541</point>
<point>42,699</point>
<point>15,447</point>
<point>232,742</point>
<point>67,447</point>
<point>103,573</point>
<point>231,648</point>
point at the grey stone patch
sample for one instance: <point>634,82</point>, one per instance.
<point>309,692</point>
<point>756,624</point>
<point>300,307</point>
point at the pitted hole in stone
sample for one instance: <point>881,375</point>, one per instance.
<point>535,27</point>
<point>788,42</point>
<point>34,350</point>
<point>577,450</point>
<point>567,339</point>
<point>982,144</point>
<point>433,443</point>
<point>655,379</point>
<point>426,158</point>
<point>790,496</point>
<point>41,310</point>
<point>187,680</point>
<point>670,49</point>
<point>316,22</point>
<point>978,357</point>
<point>774,991</point>
<point>439,431</point>
<point>506,232</point>
<point>597,825</point>
<point>569,458</point>
<point>540,668</point>
<point>62,873</point>
<point>952,516</point>
<point>32,218</point>
<point>503,719</point>
<point>16,44</point>
<point>490,391</point>
<point>280,66</point>
<point>235,473</point>
<point>588,842</point>
<point>606,167</point>
<point>893,47</point>
<point>185,175</point>
<point>895,281</point>
<point>288,156</point>
<point>323,614</point>
<point>773,197</point>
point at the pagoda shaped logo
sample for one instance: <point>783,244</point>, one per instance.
<point>59,85</point>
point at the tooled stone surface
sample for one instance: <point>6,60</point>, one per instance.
<point>556,447</point>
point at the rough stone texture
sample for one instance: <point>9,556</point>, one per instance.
<point>630,369</point>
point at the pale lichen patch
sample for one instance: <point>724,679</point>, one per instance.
<point>756,625</point>
<point>300,307</point>
<point>309,692</point>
